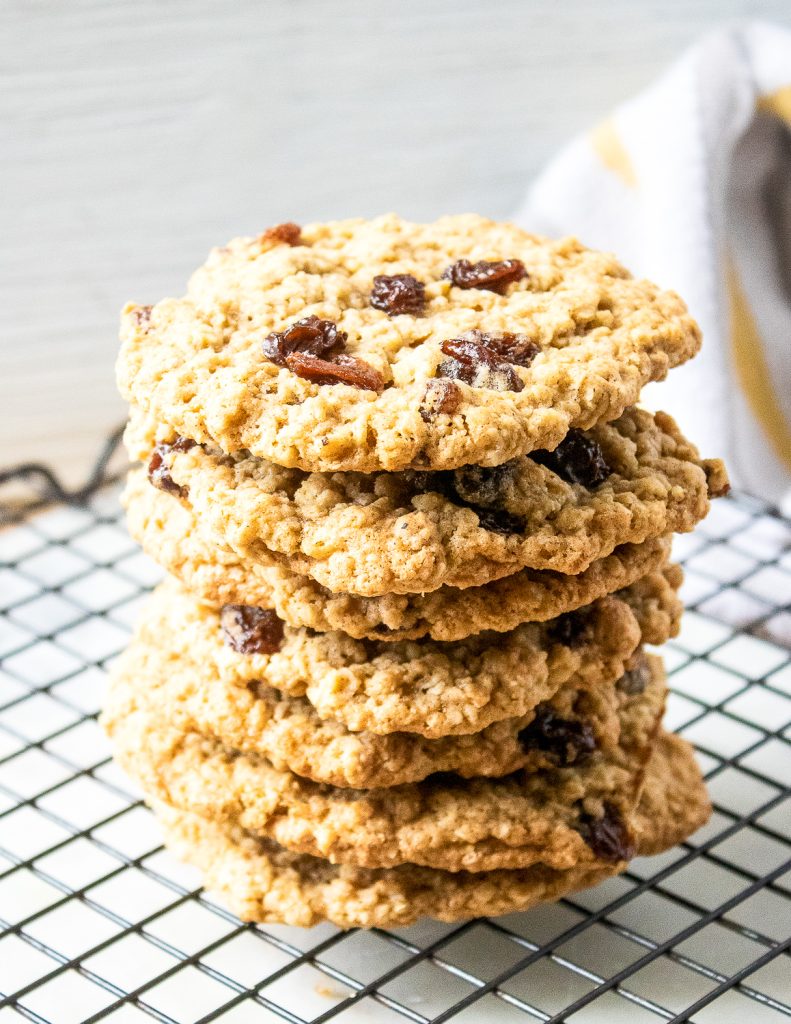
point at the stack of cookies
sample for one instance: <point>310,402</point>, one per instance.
<point>417,532</point>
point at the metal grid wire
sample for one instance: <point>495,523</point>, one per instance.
<point>98,922</point>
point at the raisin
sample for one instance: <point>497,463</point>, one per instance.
<point>484,485</point>
<point>571,629</point>
<point>288,234</point>
<point>340,370</point>
<point>251,630</point>
<point>567,742</point>
<point>578,459</point>
<point>441,396</point>
<point>608,836</point>
<point>313,349</point>
<point>497,520</point>
<point>142,315</point>
<point>491,276</point>
<point>512,348</point>
<point>159,474</point>
<point>310,336</point>
<point>482,360</point>
<point>421,481</point>
<point>635,679</point>
<point>399,293</point>
<point>181,444</point>
<point>159,467</point>
<point>446,483</point>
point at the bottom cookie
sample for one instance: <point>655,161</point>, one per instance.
<point>261,881</point>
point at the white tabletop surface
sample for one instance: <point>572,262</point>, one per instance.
<point>135,135</point>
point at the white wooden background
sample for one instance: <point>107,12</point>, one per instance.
<point>137,133</point>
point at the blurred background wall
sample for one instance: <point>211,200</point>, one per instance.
<point>138,133</point>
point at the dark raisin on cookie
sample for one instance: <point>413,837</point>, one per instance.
<point>512,348</point>
<point>313,349</point>
<point>578,459</point>
<point>608,836</point>
<point>421,481</point>
<point>441,396</point>
<point>398,293</point>
<point>251,630</point>
<point>495,276</point>
<point>498,520</point>
<point>310,336</point>
<point>142,315</point>
<point>635,679</point>
<point>486,360</point>
<point>341,369</point>
<point>181,444</point>
<point>287,234</point>
<point>484,485</point>
<point>566,741</point>
<point>571,629</point>
<point>159,466</point>
<point>473,492</point>
<point>480,375</point>
<point>159,474</point>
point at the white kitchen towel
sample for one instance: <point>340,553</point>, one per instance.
<point>690,184</point>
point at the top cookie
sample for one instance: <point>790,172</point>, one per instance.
<point>369,345</point>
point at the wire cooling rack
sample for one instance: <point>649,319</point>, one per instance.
<point>98,922</point>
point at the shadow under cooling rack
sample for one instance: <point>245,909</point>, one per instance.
<point>98,922</point>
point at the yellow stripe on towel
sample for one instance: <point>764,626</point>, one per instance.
<point>607,145</point>
<point>753,371</point>
<point>777,103</point>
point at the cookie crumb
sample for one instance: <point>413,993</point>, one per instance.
<point>717,480</point>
